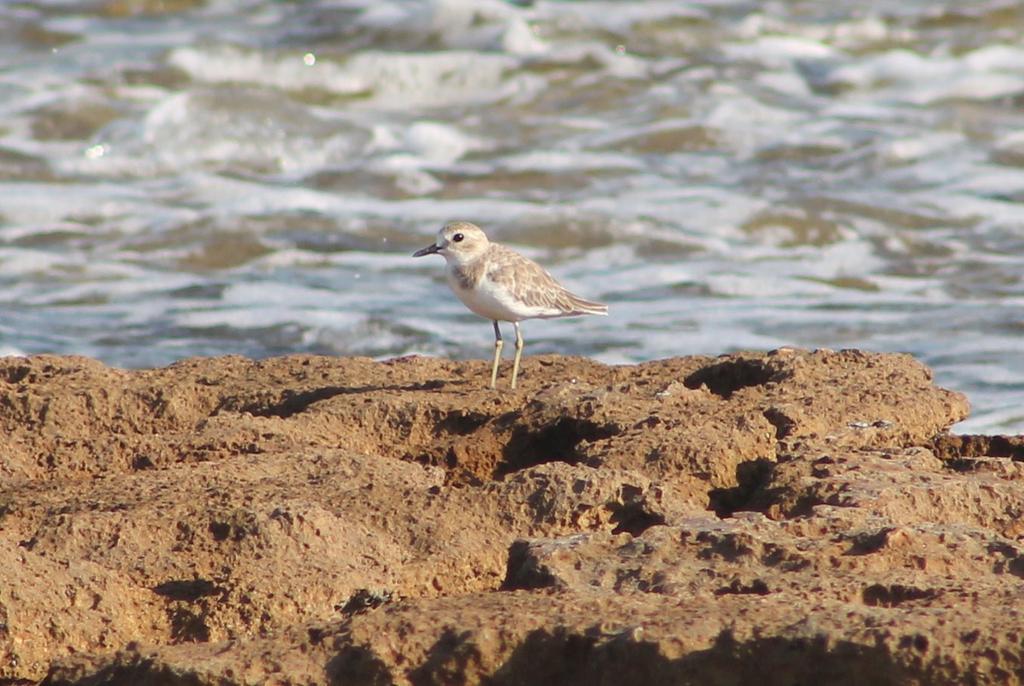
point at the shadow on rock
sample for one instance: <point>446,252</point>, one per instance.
<point>623,659</point>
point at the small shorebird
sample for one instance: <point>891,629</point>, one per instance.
<point>500,284</point>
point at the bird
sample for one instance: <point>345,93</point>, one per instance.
<point>498,283</point>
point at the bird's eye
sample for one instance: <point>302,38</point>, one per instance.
<point>458,237</point>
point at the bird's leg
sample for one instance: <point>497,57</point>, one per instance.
<point>497,355</point>
<point>519,352</point>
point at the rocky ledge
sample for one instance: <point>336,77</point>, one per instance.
<point>779,518</point>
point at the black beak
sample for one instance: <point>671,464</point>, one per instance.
<point>429,250</point>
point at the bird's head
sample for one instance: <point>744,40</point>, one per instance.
<point>458,242</point>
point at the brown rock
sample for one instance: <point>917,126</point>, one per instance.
<point>782,517</point>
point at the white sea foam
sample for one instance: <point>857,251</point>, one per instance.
<point>437,142</point>
<point>41,205</point>
<point>780,51</point>
<point>904,75</point>
<point>379,79</point>
<point>617,17</point>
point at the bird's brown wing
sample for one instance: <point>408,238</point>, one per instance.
<point>535,287</point>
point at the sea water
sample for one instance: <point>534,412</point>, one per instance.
<point>202,177</point>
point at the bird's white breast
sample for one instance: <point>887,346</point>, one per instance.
<point>493,300</point>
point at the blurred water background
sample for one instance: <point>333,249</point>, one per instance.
<point>201,177</point>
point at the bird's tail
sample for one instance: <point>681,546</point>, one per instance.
<point>584,306</point>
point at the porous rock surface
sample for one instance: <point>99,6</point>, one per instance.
<point>787,517</point>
